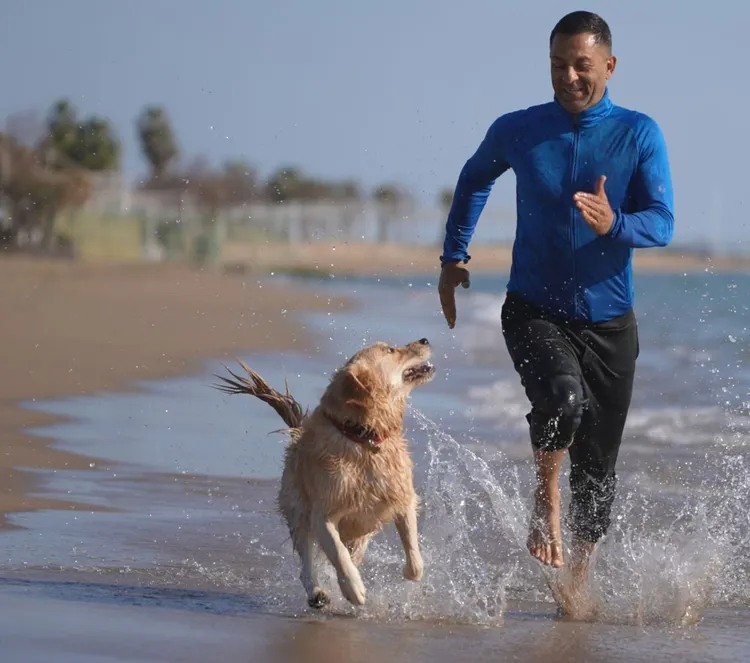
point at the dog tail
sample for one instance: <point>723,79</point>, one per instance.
<point>286,405</point>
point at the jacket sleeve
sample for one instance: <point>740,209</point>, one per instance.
<point>651,223</point>
<point>472,190</point>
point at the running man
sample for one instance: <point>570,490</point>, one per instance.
<point>593,183</point>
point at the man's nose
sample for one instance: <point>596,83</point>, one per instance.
<point>570,75</point>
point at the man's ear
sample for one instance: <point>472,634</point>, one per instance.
<point>611,64</point>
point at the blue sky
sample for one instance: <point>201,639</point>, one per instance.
<point>397,90</point>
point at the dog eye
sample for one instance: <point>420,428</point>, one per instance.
<point>391,350</point>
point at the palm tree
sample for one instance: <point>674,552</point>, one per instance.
<point>157,139</point>
<point>388,201</point>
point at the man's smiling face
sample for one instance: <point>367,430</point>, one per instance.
<point>580,70</point>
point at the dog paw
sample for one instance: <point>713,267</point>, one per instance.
<point>353,590</point>
<point>319,599</point>
<point>414,570</point>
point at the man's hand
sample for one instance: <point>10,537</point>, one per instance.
<point>595,208</point>
<point>452,275</point>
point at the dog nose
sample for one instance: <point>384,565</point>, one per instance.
<point>424,341</point>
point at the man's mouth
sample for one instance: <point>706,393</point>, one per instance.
<point>572,91</point>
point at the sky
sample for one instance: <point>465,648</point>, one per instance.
<point>400,90</point>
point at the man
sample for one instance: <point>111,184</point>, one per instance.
<point>593,183</point>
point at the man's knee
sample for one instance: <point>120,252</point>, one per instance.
<point>555,418</point>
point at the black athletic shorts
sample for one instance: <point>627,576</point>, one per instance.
<point>578,377</point>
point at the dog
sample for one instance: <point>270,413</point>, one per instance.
<point>347,470</point>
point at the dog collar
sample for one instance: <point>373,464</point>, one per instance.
<point>358,433</point>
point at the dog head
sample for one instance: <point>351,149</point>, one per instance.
<point>370,390</point>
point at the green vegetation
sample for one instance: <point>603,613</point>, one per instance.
<point>53,170</point>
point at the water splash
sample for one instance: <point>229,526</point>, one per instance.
<point>657,566</point>
<point>466,513</point>
<point>657,571</point>
<point>673,550</point>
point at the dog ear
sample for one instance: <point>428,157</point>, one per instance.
<point>354,386</point>
<point>359,384</point>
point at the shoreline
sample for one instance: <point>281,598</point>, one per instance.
<point>323,258</point>
<point>77,329</point>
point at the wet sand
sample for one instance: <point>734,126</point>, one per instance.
<point>74,620</point>
<point>70,329</point>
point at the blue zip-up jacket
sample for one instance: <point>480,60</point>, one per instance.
<point>559,263</point>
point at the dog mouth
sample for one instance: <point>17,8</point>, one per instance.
<point>419,372</point>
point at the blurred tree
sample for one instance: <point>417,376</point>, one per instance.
<point>157,139</point>
<point>90,144</point>
<point>286,184</point>
<point>289,183</point>
<point>445,199</point>
<point>389,201</point>
<point>242,182</point>
<point>33,195</point>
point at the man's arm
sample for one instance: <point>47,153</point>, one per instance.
<point>472,190</point>
<point>653,223</point>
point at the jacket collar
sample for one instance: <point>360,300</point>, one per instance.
<point>590,116</point>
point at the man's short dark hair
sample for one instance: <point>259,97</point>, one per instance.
<point>580,22</point>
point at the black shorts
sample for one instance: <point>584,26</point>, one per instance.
<point>578,377</point>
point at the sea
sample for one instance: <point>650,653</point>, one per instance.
<point>183,520</point>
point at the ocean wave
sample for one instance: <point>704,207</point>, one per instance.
<point>484,328</point>
<point>687,426</point>
<point>503,403</point>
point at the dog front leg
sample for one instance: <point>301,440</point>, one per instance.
<point>348,576</point>
<point>316,596</point>
<point>406,524</point>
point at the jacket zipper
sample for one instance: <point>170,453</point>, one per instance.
<point>573,229</point>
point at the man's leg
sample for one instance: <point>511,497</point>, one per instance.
<point>593,480</point>
<point>551,376</point>
<point>545,540</point>
<point>556,415</point>
<point>609,373</point>
<point>592,484</point>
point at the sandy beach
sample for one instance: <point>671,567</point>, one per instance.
<point>165,547</point>
<point>70,329</point>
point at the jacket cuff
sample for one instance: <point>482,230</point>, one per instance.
<point>616,226</point>
<point>454,257</point>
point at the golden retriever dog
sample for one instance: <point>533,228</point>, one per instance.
<point>347,468</point>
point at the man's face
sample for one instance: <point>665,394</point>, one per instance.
<point>580,70</point>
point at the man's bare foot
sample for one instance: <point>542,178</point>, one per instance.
<point>544,541</point>
<point>571,589</point>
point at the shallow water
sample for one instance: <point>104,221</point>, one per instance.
<point>192,475</point>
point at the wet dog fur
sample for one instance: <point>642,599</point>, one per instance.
<point>347,469</point>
